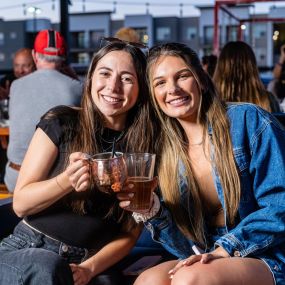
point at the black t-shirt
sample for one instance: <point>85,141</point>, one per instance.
<point>94,228</point>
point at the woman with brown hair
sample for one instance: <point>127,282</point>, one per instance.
<point>71,232</point>
<point>222,181</point>
<point>237,78</point>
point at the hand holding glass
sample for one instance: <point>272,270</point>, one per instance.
<point>140,169</point>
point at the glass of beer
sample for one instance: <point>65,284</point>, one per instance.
<point>109,172</point>
<point>140,169</point>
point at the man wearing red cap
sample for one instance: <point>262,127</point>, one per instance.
<point>34,94</point>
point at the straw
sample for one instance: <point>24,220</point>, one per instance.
<point>113,147</point>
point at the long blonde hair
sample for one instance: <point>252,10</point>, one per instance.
<point>174,148</point>
<point>236,76</point>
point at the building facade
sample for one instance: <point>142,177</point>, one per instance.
<point>87,30</point>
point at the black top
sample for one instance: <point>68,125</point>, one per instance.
<point>94,228</point>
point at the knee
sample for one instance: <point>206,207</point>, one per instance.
<point>190,276</point>
<point>150,277</point>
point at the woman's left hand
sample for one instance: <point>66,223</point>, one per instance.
<point>202,258</point>
<point>81,274</point>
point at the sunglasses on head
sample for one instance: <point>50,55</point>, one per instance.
<point>112,39</point>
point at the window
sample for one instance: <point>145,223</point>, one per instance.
<point>163,33</point>
<point>2,56</point>
<point>83,58</point>
<point>2,37</point>
<point>78,40</point>
<point>259,30</point>
<point>191,33</point>
<point>13,35</point>
<point>95,38</point>
<point>208,35</point>
<point>232,33</point>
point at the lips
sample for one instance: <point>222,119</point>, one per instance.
<point>111,100</point>
<point>179,101</point>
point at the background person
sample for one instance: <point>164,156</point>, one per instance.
<point>23,64</point>
<point>72,231</point>
<point>277,85</point>
<point>209,63</point>
<point>237,78</point>
<point>128,34</point>
<point>222,180</point>
<point>34,94</point>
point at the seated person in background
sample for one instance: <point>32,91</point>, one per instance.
<point>23,64</point>
<point>71,231</point>
<point>209,63</point>
<point>237,78</point>
<point>34,94</point>
<point>277,85</point>
<point>222,181</point>
<point>127,34</point>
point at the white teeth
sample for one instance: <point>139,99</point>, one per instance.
<point>111,99</point>
<point>179,100</point>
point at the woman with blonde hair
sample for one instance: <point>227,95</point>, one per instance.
<point>237,78</point>
<point>222,181</point>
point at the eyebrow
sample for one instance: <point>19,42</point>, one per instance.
<point>123,72</point>
<point>178,72</point>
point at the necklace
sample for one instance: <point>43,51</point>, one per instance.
<point>110,139</point>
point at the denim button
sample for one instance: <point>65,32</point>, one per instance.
<point>64,248</point>
<point>237,253</point>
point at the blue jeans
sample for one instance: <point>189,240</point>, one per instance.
<point>29,257</point>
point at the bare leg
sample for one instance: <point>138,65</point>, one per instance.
<point>225,271</point>
<point>157,275</point>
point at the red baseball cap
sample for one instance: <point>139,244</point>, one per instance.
<point>50,42</point>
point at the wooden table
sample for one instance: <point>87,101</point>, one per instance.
<point>4,134</point>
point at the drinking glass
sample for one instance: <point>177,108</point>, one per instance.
<point>140,169</point>
<point>109,172</point>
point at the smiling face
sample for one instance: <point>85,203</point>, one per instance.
<point>115,87</point>
<point>175,88</point>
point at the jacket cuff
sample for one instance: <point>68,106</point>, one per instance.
<point>232,245</point>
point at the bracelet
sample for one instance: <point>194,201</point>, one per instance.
<point>138,217</point>
<point>58,184</point>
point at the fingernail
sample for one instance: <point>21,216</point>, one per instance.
<point>171,276</point>
<point>131,195</point>
<point>127,203</point>
<point>184,262</point>
<point>170,271</point>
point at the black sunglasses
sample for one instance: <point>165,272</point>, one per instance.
<point>111,40</point>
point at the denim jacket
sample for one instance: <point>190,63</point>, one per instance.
<point>259,150</point>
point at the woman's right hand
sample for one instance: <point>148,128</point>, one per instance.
<point>126,195</point>
<point>78,171</point>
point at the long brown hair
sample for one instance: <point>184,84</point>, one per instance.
<point>175,147</point>
<point>237,78</point>
<point>82,135</point>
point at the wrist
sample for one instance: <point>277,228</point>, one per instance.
<point>154,210</point>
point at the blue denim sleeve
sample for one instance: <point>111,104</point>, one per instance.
<point>264,226</point>
<point>165,231</point>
